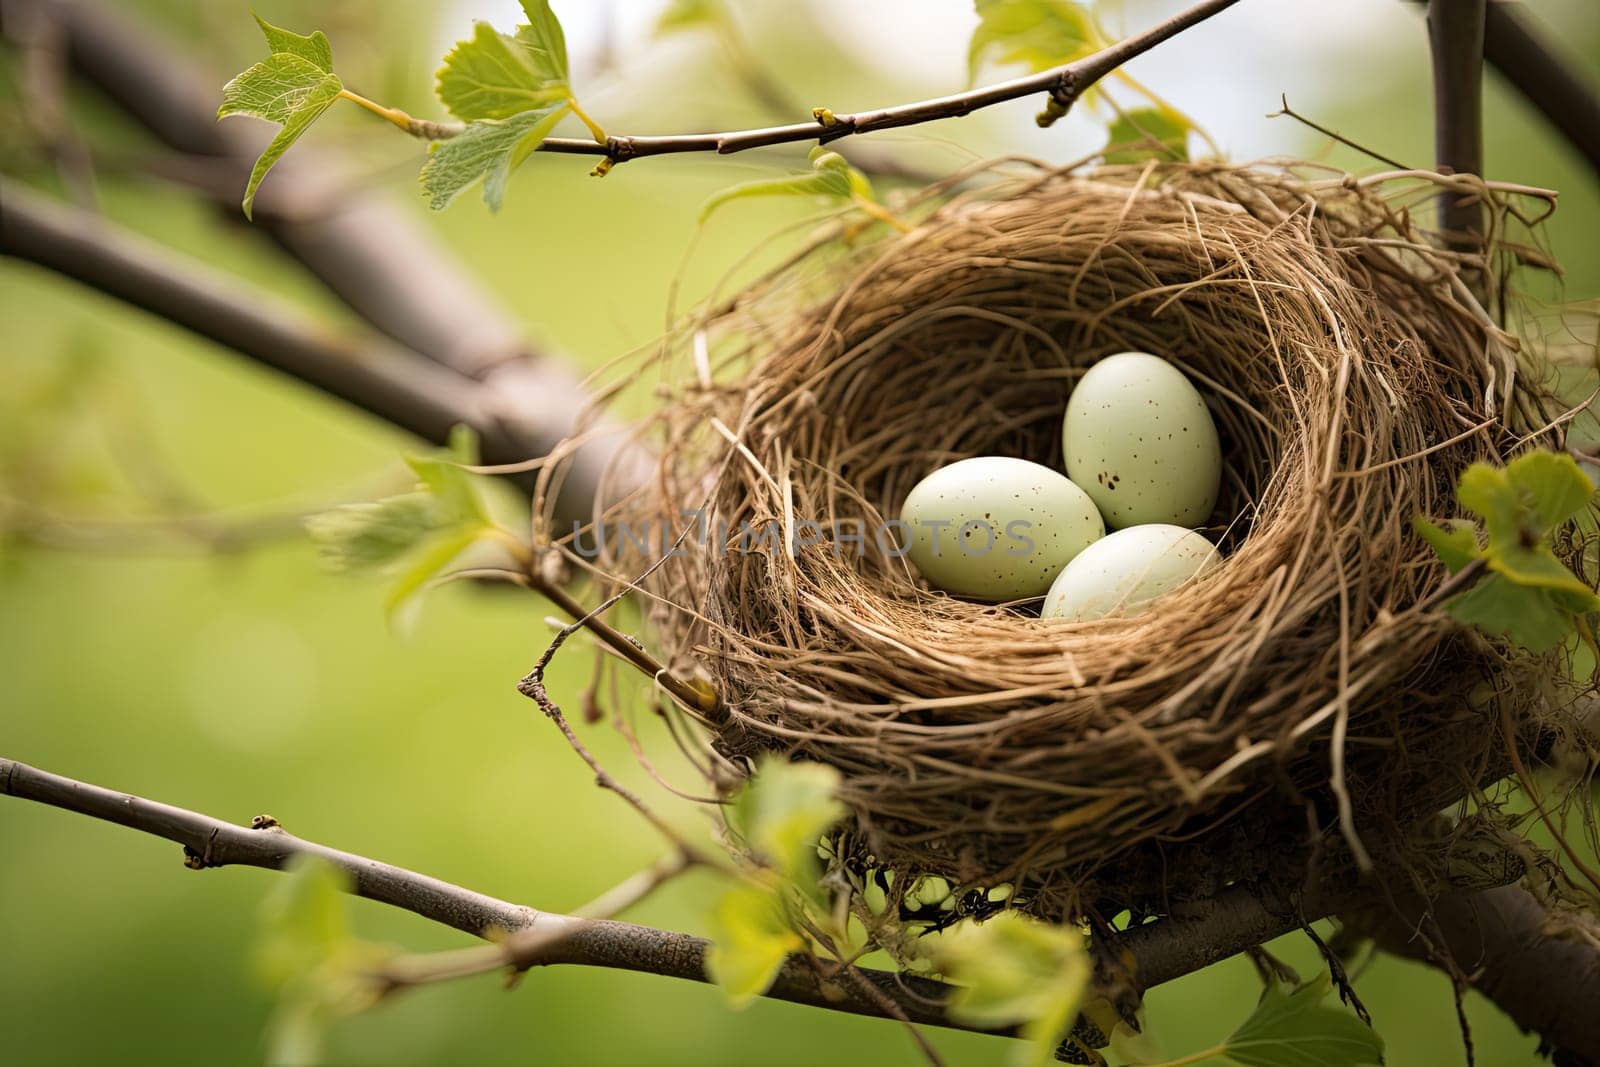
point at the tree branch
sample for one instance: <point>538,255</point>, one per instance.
<point>1567,98</point>
<point>1063,85</point>
<point>372,254</point>
<point>1160,951</point>
<point>1455,36</point>
<point>1546,984</point>
<point>1514,46</point>
<point>1503,941</point>
<point>393,383</point>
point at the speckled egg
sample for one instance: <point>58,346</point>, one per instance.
<point>1120,574</point>
<point>996,528</point>
<point>1138,438</point>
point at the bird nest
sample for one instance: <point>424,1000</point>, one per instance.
<point>1305,694</point>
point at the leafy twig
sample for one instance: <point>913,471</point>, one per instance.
<point>1063,84</point>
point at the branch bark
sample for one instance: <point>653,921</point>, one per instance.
<point>1545,984</point>
<point>370,252</point>
<point>1515,47</point>
<point>1567,98</point>
<point>1455,36</point>
<point>1501,938</point>
<point>1160,951</point>
<point>382,378</point>
<point>1062,84</point>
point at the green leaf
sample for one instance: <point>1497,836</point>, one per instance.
<point>304,918</point>
<point>486,151</point>
<point>492,76</point>
<point>360,536</point>
<point>1456,545</point>
<point>452,485</point>
<point>315,48</point>
<point>1487,492</point>
<point>1143,132</point>
<point>1552,485</point>
<point>316,102</point>
<point>320,971</point>
<point>292,87</point>
<point>1293,1029</point>
<point>783,812</point>
<point>1038,34</point>
<point>750,940</point>
<point>1016,970</point>
<point>690,14</point>
<point>416,534</point>
<point>1531,617</point>
<point>1539,567</point>
<point>275,89</point>
<point>428,565</point>
<point>831,177</point>
<point>284,88</point>
<point>542,38</point>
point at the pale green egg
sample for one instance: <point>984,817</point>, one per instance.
<point>996,528</point>
<point>1138,438</point>
<point>1120,574</point>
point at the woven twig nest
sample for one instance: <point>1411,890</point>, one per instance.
<point>1352,377</point>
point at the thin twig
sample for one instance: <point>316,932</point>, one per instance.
<point>1063,85</point>
<point>1288,112</point>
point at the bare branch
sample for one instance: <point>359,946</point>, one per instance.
<point>1063,85</point>
<point>1547,980</point>
<point>1552,83</point>
<point>1455,34</point>
<point>393,383</point>
<point>210,842</point>
<point>1567,98</point>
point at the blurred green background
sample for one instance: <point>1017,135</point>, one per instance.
<point>255,682</point>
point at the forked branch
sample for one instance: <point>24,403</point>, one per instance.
<point>1157,952</point>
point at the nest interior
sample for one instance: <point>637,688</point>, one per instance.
<point>1351,381</point>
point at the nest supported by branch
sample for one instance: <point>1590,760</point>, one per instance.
<point>1302,696</point>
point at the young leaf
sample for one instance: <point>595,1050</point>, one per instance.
<point>750,940</point>
<point>831,177</point>
<point>1530,617</point>
<point>1039,34</point>
<point>543,39</point>
<point>415,534</point>
<point>487,150</point>
<point>1532,597</point>
<point>319,969</point>
<point>304,918</point>
<point>428,564</point>
<point>1294,1029</point>
<point>315,49</point>
<point>492,76</point>
<point>292,87</point>
<point>784,811</point>
<point>358,536</point>
<point>1555,487</point>
<point>1142,132</point>
<point>1016,970</point>
<point>452,485</point>
<point>1456,544</point>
